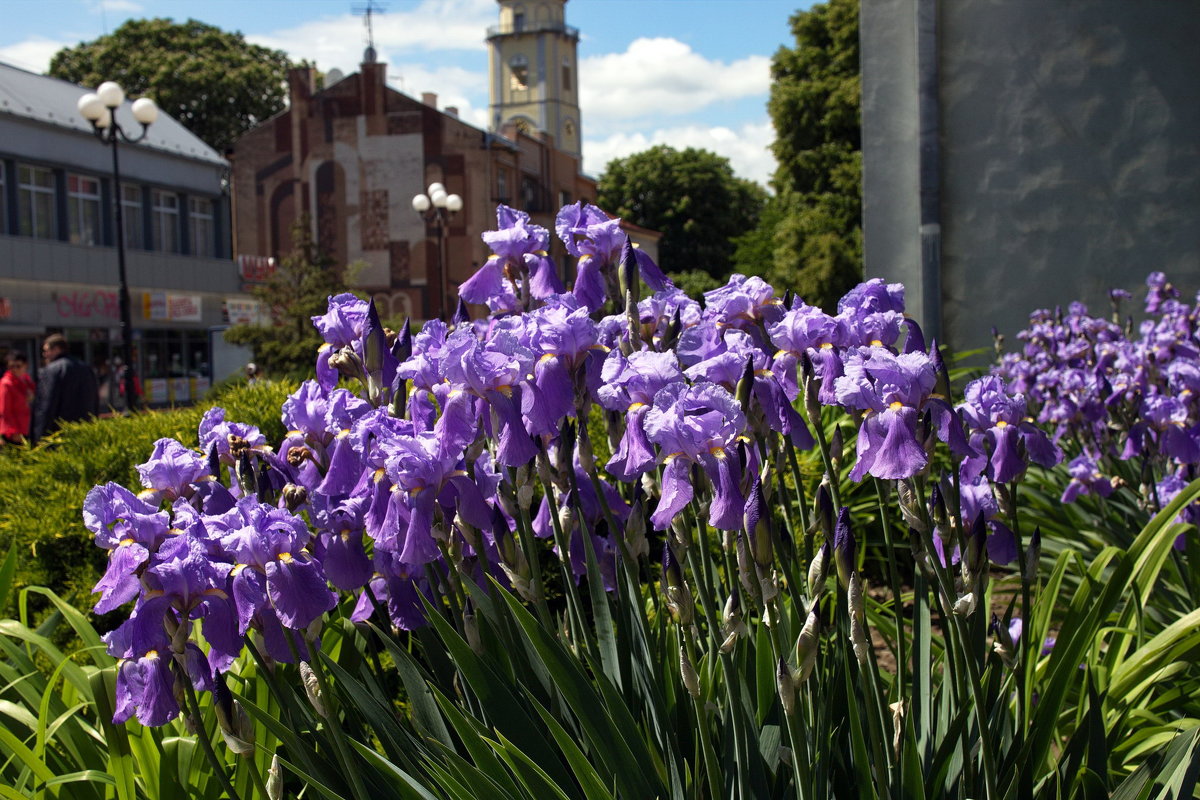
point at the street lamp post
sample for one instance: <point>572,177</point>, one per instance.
<point>100,109</point>
<point>438,207</point>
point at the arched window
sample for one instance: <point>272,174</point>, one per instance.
<point>566,75</point>
<point>519,73</point>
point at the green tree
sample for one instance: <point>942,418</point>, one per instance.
<point>693,198</point>
<point>214,83</point>
<point>298,290</point>
<point>816,109</point>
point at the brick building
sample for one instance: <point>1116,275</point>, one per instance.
<point>352,155</point>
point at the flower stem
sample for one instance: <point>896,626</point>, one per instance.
<point>206,743</point>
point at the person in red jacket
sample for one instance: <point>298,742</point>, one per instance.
<point>16,395</point>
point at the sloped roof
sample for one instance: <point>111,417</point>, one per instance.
<point>53,101</point>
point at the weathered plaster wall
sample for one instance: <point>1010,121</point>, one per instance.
<point>1070,152</point>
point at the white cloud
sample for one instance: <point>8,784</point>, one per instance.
<point>33,53</point>
<point>746,147</point>
<point>433,26</point>
<point>664,77</point>
<point>118,6</point>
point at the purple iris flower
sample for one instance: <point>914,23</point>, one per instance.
<point>596,240</point>
<point>563,339</point>
<point>1167,489</point>
<point>340,525</point>
<point>494,372</point>
<point>658,312</point>
<point>399,587</point>
<point>183,585</point>
<point>629,385</point>
<point>1166,421</point>
<point>743,302</point>
<point>727,368</point>
<point>872,296</point>
<point>892,391</point>
<point>806,329</point>
<point>426,371</point>
<point>519,255</point>
<point>977,504</point>
<point>131,530</point>
<point>997,423</point>
<point>276,581</point>
<point>1159,291</point>
<point>171,470</point>
<point>342,325</point>
<point>214,431</point>
<point>426,475</point>
<point>1086,478</point>
<point>872,313</point>
<point>697,425</point>
<point>605,546</point>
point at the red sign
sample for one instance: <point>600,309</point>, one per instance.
<point>5,308</point>
<point>256,269</point>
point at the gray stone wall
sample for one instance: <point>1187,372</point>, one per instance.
<point>1069,148</point>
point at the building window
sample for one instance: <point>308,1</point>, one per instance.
<point>131,217</point>
<point>564,199</point>
<point>3,200</point>
<point>566,75</point>
<point>502,186</point>
<point>83,209</point>
<point>200,220</point>
<point>519,77</point>
<point>530,195</point>
<point>165,216</point>
<point>518,22</point>
<point>35,193</point>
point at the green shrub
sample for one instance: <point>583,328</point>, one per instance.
<point>42,489</point>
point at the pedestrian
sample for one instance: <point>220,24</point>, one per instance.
<point>66,389</point>
<point>16,399</point>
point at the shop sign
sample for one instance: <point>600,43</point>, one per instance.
<point>5,308</point>
<point>256,269</point>
<point>243,312</point>
<point>171,307</point>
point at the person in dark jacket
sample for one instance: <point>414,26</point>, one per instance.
<point>66,389</point>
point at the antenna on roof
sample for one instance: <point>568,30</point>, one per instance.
<point>368,10</point>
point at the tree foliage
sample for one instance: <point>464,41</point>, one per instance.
<point>816,109</point>
<point>298,290</point>
<point>215,83</point>
<point>692,197</point>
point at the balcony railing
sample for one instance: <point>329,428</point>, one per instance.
<point>533,27</point>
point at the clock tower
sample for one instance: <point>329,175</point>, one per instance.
<point>533,71</point>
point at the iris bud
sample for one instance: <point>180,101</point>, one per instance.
<point>678,596</point>
<point>402,348</point>
<point>817,572</point>
<point>757,518</point>
<point>745,384</point>
<point>854,597</point>
<point>214,462</point>
<point>836,447</point>
<point>1033,554</point>
<point>691,681</point>
<point>976,560</point>
<point>294,496</point>
<point>786,687</point>
<point>807,645</point>
<point>274,780</point>
<point>747,573</point>
<point>461,315</point>
<point>910,507</point>
<point>629,277</point>
<point>674,328</point>
<point>845,548</point>
<point>312,688</point>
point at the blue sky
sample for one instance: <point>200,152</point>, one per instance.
<point>682,72</point>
